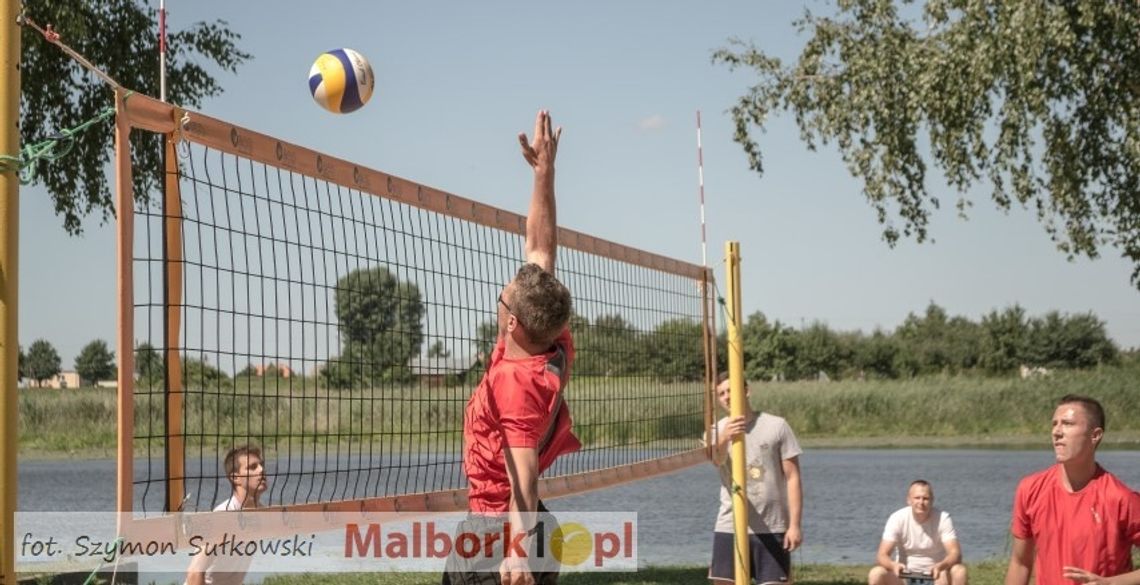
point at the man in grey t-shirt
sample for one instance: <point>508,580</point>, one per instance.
<point>773,487</point>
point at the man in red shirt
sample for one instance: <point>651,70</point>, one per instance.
<point>1075,521</point>
<point>516,422</point>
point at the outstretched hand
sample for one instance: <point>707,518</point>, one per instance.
<point>540,152</point>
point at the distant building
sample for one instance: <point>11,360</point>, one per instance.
<point>281,370</point>
<point>434,371</point>
<point>58,381</point>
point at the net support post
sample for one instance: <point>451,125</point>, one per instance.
<point>9,256</point>
<point>124,250</point>
<point>175,463</point>
<point>736,408</point>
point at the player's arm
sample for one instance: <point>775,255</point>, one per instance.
<point>1082,576</point>
<point>196,572</point>
<point>735,426</point>
<point>953,557</point>
<point>883,557</point>
<point>542,219</point>
<point>522,470</point>
<point>794,536</point>
<point>1020,562</point>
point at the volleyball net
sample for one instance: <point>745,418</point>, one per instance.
<point>339,317</point>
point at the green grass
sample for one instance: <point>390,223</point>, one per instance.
<point>82,422</point>
<point>935,411</point>
<point>989,572</point>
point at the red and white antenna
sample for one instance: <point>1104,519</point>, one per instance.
<point>162,50</point>
<point>701,183</point>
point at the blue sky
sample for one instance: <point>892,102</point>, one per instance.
<point>457,81</point>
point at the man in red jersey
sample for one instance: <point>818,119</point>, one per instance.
<point>1075,521</point>
<point>516,422</point>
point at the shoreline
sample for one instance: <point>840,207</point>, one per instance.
<point>1123,441</point>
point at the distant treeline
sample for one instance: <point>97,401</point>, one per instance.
<point>931,343</point>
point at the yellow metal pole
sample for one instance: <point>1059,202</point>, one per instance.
<point>9,255</point>
<point>736,408</point>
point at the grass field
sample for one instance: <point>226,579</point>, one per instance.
<point>954,411</point>
<point>987,573</point>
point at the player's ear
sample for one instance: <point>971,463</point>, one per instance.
<point>1097,435</point>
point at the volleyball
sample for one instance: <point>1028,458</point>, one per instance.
<point>341,81</point>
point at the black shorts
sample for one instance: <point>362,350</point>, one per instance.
<point>771,563</point>
<point>485,571</point>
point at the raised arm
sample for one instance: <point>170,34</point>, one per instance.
<point>542,219</point>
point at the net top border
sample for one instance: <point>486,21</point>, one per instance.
<point>146,113</point>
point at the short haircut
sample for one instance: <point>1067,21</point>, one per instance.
<point>540,303</point>
<point>923,483</point>
<point>1092,408</point>
<point>722,376</point>
<point>234,456</point>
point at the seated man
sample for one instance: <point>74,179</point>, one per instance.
<point>246,473</point>
<point>925,540</point>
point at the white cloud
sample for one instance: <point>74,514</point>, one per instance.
<point>654,122</point>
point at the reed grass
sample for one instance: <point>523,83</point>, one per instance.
<point>606,411</point>
<point>958,406</point>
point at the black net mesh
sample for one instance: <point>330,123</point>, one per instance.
<point>343,332</point>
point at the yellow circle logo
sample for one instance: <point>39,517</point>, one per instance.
<point>571,544</point>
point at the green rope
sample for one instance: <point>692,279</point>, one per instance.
<point>51,149</point>
<point>91,579</point>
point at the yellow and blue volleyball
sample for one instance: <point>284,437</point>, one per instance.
<point>341,81</point>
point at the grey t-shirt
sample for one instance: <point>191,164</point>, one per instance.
<point>768,442</point>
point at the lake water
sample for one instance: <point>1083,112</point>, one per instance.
<point>848,495</point>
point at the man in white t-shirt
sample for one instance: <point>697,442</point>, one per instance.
<point>924,539</point>
<point>246,473</point>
